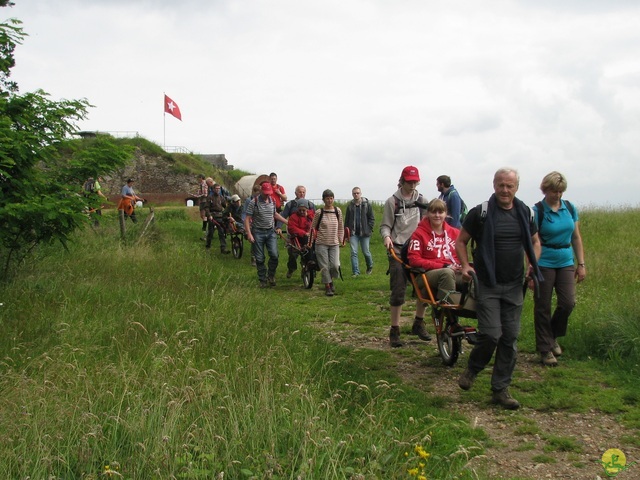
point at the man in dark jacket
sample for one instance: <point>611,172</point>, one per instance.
<point>359,220</point>
<point>504,231</point>
<point>216,204</point>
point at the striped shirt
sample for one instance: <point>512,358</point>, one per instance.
<point>329,225</point>
<point>262,213</point>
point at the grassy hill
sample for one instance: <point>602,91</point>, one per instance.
<point>151,358</point>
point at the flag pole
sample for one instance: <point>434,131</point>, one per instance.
<point>164,124</point>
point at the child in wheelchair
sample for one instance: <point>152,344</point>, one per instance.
<point>432,248</point>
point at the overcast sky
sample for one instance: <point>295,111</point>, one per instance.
<point>339,93</point>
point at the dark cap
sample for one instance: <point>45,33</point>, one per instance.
<point>302,203</point>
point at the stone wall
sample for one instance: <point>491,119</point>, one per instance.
<point>155,180</point>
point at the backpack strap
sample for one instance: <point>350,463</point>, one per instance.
<point>540,209</point>
<point>415,204</point>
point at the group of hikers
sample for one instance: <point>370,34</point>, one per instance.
<point>510,242</point>
<point>502,240</point>
<point>92,189</point>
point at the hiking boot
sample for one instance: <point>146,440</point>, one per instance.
<point>504,399</point>
<point>548,359</point>
<point>394,337</point>
<point>224,251</point>
<point>466,379</point>
<point>556,349</point>
<point>289,273</point>
<point>420,330</point>
<point>272,281</point>
<point>369,270</point>
<point>263,284</point>
<point>328,291</point>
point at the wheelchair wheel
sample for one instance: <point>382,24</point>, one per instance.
<point>308,275</point>
<point>236,246</point>
<point>448,345</point>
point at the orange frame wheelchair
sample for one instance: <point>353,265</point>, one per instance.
<point>446,312</point>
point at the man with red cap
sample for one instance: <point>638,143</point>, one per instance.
<point>401,215</point>
<point>261,228</point>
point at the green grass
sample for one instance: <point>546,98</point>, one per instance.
<point>157,360</point>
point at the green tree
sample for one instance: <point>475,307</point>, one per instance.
<point>41,169</point>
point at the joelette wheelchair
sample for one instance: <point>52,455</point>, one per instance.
<point>447,312</point>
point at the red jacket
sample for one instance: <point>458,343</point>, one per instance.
<point>298,225</point>
<point>276,197</point>
<point>429,250</point>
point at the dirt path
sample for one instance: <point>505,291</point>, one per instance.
<point>518,439</point>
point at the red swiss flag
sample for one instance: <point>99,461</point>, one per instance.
<point>172,107</point>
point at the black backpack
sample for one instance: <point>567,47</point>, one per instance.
<point>404,252</point>
<point>89,186</point>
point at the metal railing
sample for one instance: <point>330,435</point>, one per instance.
<point>176,149</point>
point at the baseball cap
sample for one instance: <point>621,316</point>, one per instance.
<point>410,174</point>
<point>235,198</point>
<point>266,188</point>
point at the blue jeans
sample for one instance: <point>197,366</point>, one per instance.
<point>354,241</point>
<point>265,238</point>
<point>499,309</point>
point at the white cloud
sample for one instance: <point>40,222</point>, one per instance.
<point>339,93</point>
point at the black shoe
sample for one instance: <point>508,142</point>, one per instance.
<point>289,273</point>
<point>272,281</point>
<point>263,284</point>
<point>420,330</point>
<point>224,251</point>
